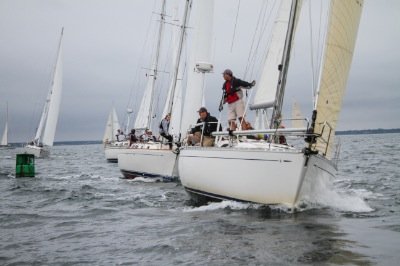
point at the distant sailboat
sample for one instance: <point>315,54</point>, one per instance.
<point>46,130</point>
<point>4,139</point>
<point>159,161</point>
<point>112,144</point>
<point>145,113</point>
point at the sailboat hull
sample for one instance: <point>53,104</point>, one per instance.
<point>112,150</point>
<point>251,175</point>
<point>150,163</point>
<point>39,152</point>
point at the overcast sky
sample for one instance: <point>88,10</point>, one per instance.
<point>105,53</point>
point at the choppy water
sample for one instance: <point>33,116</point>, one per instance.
<point>78,210</point>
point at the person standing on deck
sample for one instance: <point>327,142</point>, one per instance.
<point>232,94</point>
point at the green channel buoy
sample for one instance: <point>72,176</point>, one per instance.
<point>25,165</point>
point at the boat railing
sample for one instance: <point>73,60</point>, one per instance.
<point>321,136</point>
<point>296,132</point>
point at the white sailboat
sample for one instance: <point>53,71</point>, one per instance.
<point>145,113</point>
<point>4,139</point>
<point>46,130</point>
<point>159,161</point>
<point>266,172</point>
<point>112,145</point>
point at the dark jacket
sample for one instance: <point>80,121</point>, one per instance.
<point>208,126</point>
<point>236,84</point>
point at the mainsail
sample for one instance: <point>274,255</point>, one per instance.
<point>339,47</point>
<point>270,77</point>
<point>48,121</point>
<point>199,61</point>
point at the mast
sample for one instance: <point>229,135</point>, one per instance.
<point>155,66</point>
<point>179,53</point>
<point>283,68</point>
<point>144,116</point>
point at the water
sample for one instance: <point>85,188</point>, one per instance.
<point>79,211</point>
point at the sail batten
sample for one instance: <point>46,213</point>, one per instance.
<point>339,48</point>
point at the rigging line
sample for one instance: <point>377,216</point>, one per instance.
<point>247,105</point>
<point>312,51</point>
<point>138,68</point>
<point>253,39</point>
<point>262,34</point>
<point>234,29</point>
<point>320,36</point>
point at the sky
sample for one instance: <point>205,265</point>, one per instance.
<point>107,46</point>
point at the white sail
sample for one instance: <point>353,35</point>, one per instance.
<point>48,121</point>
<point>4,139</point>
<point>111,127</point>
<point>297,116</point>
<point>174,105</point>
<point>266,88</point>
<point>144,115</point>
<point>199,62</point>
<point>339,47</point>
<point>144,112</point>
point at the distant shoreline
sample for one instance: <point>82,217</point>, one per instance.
<point>343,132</point>
<point>368,131</point>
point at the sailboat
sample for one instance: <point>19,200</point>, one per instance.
<point>162,162</point>
<point>145,113</point>
<point>46,130</point>
<point>4,139</point>
<point>112,145</point>
<point>267,172</point>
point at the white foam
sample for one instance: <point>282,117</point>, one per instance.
<point>234,205</point>
<point>145,180</point>
<point>325,194</point>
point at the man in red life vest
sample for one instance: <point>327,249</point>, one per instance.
<point>233,96</point>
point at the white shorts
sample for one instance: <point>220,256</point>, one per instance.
<point>235,109</point>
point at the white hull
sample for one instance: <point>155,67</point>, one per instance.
<point>39,152</point>
<point>112,150</point>
<point>261,176</point>
<point>153,163</point>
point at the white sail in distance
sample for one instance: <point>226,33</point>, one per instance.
<point>339,47</point>
<point>297,116</point>
<point>4,138</point>
<point>48,121</point>
<point>200,55</point>
<point>111,127</point>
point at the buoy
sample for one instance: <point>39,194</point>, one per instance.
<point>25,165</point>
